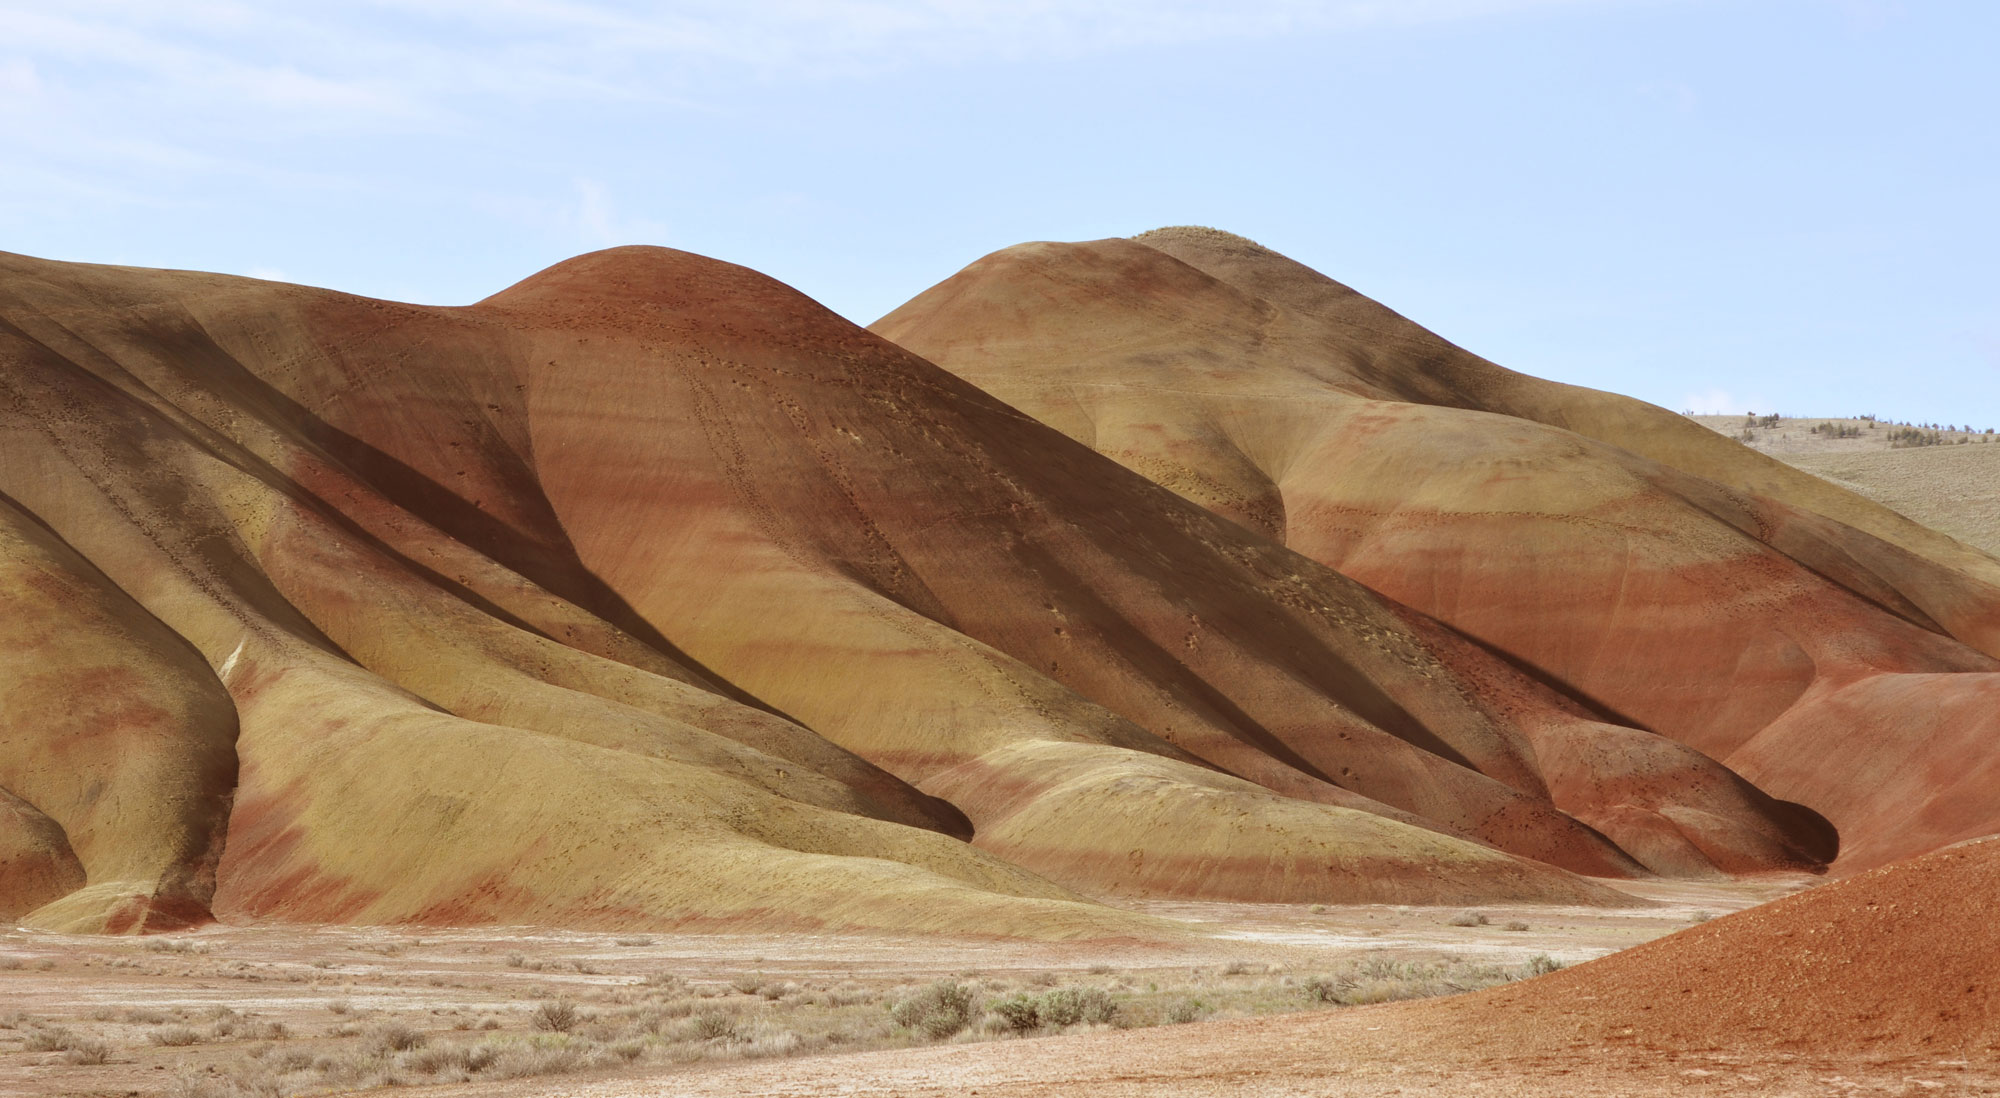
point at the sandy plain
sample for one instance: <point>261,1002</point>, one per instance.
<point>274,1008</point>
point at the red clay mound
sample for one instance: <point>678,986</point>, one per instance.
<point>1652,573</point>
<point>1903,958</point>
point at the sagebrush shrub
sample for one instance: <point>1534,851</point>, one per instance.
<point>397,1037</point>
<point>1023,1013</point>
<point>559,1016</point>
<point>939,1010</point>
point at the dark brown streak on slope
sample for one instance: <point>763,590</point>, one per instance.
<point>556,569</point>
<point>215,361</point>
<point>1591,706</point>
<point>1069,467</point>
<point>884,571</point>
<point>170,498</point>
<point>306,431</point>
<point>1158,665</point>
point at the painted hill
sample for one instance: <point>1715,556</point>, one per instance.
<point>1656,574</point>
<point>649,593</point>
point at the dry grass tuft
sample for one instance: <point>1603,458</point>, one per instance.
<point>396,1037</point>
<point>1381,980</point>
<point>76,1049</point>
<point>1199,234</point>
<point>174,1036</point>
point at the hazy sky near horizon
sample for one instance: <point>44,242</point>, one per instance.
<point>1722,205</point>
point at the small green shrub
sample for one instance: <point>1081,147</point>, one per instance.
<point>1324,989</point>
<point>1541,964</point>
<point>940,1010</point>
<point>76,1049</point>
<point>1023,1013</point>
<point>1066,1006</point>
<point>1187,1010</point>
<point>713,1027</point>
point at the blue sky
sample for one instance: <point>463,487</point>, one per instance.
<point>1780,205</point>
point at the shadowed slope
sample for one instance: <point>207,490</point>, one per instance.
<point>650,593</point>
<point>37,865</point>
<point>1651,596</point>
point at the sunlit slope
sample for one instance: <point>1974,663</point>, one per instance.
<point>1956,587</point>
<point>1761,630</point>
<point>650,593</point>
<point>117,747</point>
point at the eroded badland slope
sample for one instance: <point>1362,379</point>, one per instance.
<point>648,592</point>
<point>1658,575</point>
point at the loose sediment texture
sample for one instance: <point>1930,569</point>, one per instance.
<point>1784,638</point>
<point>1897,960</point>
<point>649,593</point>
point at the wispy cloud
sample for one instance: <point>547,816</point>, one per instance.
<point>18,81</point>
<point>596,222</point>
<point>819,36</point>
<point>386,59</point>
<point>156,101</point>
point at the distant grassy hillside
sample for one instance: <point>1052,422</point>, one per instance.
<point>1946,477</point>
